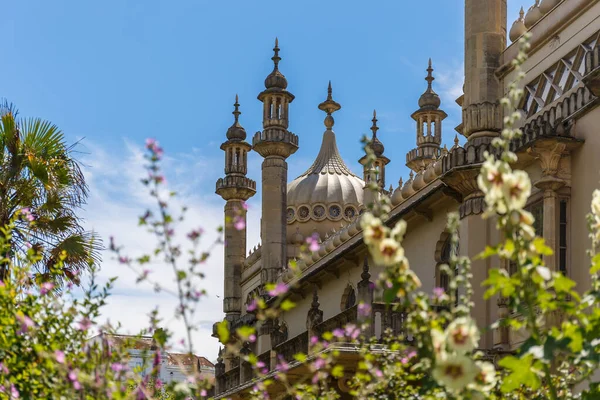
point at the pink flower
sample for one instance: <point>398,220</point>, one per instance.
<point>60,356</point>
<point>203,393</point>
<point>252,306</point>
<point>14,393</point>
<point>313,242</point>
<point>364,309</point>
<point>46,288</point>
<point>26,323</point>
<point>245,206</point>
<point>279,289</point>
<point>314,340</point>
<point>438,292</point>
<point>239,223</point>
<point>319,363</point>
<point>338,333</point>
<point>117,367</point>
<point>72,375</point>
<point>85,324</point>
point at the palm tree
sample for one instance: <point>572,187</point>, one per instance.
<point>39,173</point>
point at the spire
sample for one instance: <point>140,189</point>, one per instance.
<point>236,112</point>
<point>365,272</point>
<point>374,127</point>
<point>329,106</point>
<point>376,144</point>
<point>315,300</point>
<point>275,80</point>
<point>429,99</point>
<point>429,77</point>
<point>276,57</point>
<point>236,131</point>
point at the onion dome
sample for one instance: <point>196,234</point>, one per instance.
<point>430,99</point>
<point>518,28</point>
<point>376,144</point>
<point>328,191</point>
<point>533,15</point>
<point>236,131</point>
<point>548,5</point>
<point>276,80</point>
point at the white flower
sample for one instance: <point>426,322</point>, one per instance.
<point>516,189</point>
<point>388,253</point>
<point>399,230</point>
<point>374,230</point>
<point>455,371</point>
<point>596,203</point>
<point>486,378</point>
<point>438,338</point>
<point>462,335</point>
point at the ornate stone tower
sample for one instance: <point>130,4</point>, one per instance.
<point>377,170</point>
<point>235,189</point>
<point>429,119</point>
<point>275,143</point>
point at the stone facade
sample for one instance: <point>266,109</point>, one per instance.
<point>559,149</point>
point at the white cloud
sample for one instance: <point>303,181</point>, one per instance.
<point>118,198</point>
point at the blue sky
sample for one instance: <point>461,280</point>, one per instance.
<point>117,72</point>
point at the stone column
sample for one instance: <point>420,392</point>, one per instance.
<point>274,200</point>
<point>549,154</point>
<point>235,254</point>
<point>485,40</point>
<point>365,290</point>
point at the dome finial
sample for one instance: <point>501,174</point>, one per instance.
<point>521,13</point>
<point>236,131</point>
<point>276,57</point>
<point>376,144</point>
<point>374,127</point>
<point>236,112</point>
<point>429,77</point>
<point>329,106</point>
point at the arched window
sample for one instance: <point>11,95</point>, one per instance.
<point>348,298</point>
<point>443,253</point>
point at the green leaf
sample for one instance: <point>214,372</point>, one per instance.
<point>223,331</point>
<point>337,371</point>
<point>287,305</point>
<point>522,372</point>
<point>562,283</point>
<point>541,248</point>
<point>245,332</point>
<point>300,357</point>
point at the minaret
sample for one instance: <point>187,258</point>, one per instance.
<point>381,161</point>
<point>235,189</point>
<point>377,169</point>
<point>275,143</point>
<point>429,119</point>
<point>485,41</point>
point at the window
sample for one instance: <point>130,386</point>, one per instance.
<point>562,237</point>
<point>348,298</point>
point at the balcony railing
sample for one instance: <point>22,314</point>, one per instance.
<point>348,316</point>
<point>288,349</point>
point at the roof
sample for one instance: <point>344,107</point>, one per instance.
<point>187,359</point>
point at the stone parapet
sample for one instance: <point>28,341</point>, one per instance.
<point>235,187</point>
<point>275,142</point>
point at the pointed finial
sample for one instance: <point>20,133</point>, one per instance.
<point>456,140</point>
<point>411,175</point>
<point>329,106</point>
<point>236,112</point>
<point>365,272</point>
<point>374,127</point>
<point>400,183</point>
<point>276,57</point>
<point>429,77</point>
<point>391,188</point>
<point>521,13</point>
<point>315,300</point>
